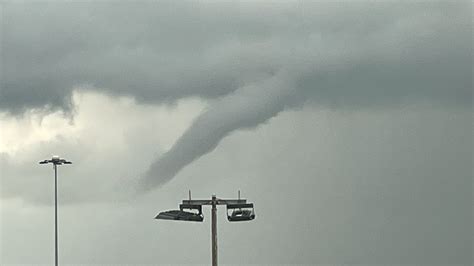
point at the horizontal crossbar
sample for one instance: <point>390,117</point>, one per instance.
<point>238,206</point>
<point>218,202</point>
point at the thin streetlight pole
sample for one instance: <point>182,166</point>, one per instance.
<point>55,161</point>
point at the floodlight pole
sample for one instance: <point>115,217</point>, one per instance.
<point>214,230</point>
<point>197,204</point>
<point>55,161</point>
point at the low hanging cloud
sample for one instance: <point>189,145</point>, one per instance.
<point>250,61</point>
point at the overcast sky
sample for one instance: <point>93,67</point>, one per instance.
<point>349,124</point>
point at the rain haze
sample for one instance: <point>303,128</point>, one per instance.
<point>348,124</point>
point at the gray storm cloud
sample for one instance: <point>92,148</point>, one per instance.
<point>160,53</point>
<point>249,60</point>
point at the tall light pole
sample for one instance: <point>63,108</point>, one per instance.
<point>56,161</point>
<point>214,230</point>
<point>239,209</point>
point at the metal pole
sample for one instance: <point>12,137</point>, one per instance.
<point>56,214</point>
<point>214,230</point>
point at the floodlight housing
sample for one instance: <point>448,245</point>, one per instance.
<point>179,215</point>
<point>56,160</point>
<point>240,212</point>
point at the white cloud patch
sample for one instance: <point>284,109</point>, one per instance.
<point>106,133</point>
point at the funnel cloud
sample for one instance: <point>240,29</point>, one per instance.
<point>246,108</point>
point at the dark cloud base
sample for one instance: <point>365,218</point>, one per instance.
<point>351,54</point>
